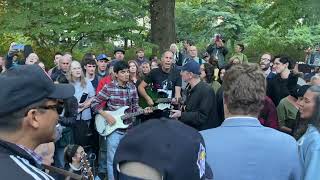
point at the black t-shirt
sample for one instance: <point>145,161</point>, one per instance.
<point>162,82</point>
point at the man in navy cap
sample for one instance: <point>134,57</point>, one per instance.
<point>28,117</point>
<point>199,111</point>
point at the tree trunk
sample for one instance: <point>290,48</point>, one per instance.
<point>163,31</point>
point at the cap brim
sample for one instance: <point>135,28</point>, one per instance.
<point>62,91</point>
<point>208,172</point>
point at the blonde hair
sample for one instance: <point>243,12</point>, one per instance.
<point>72,78</point>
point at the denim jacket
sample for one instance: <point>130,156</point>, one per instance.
<point>309,149</point>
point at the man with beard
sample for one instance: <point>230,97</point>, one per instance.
<point>266,65</point>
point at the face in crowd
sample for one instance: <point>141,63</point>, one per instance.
<point>265,62</point>
<point>307,104</point>
<point>193,52</point>
<point>32,59</point>
<point>65,63</point>
<point>90,68</point>
<point>140,54</point>
<point>119,55</point>
<point>145,68</point>
<point>279,66</point>
<point>76,70</point>
<point>57,59</point>
<point>102,65</point>
<point>166,60</point>
<point>133,67</point>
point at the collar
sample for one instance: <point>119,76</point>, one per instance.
<point>241,121</point>
<point>74,168</point>
<point>195,87</point>
<point>33,154</point>
<point>116,83</point>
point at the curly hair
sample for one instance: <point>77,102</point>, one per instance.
<point>244,89</point>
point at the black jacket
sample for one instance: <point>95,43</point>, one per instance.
<point>200,107</point>
<point>17,164</point>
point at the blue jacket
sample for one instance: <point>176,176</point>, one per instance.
<point>242,149</point>
<point>309,149</point>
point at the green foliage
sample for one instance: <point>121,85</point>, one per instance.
<point>279,27</point>
<point>72,25</point>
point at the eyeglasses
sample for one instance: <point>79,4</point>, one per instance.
<point>264,59</point>
<point>58,107</point>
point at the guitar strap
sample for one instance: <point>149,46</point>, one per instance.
<point>62,172</point>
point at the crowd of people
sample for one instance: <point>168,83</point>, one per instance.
<point>226,119</point>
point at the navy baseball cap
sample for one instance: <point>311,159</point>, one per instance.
<point>102,57</point>
<point>27,84</point>
<point>175,150</point>
<point>192,66</point>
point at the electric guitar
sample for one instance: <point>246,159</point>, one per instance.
<point>104,129</point>
<point>155,96</point>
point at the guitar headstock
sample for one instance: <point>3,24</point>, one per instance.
<point>163,106</point>
<point>86,172</point>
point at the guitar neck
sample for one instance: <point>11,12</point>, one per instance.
<point>130,115</point>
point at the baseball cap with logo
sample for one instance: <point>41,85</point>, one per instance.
<point>173,149</point>
<point>27,84</point>
<point>102,57</point>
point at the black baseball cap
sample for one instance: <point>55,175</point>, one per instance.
<point>26,84</point>
<point>118,49</point>
<point>175,150</point>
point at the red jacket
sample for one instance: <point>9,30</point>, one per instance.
<point>102,82</point>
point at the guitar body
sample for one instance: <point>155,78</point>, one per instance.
<point>156,98</point>
<point>102,126</point>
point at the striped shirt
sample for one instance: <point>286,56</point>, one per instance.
<point>35,156</point>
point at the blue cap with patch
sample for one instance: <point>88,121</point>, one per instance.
<point>173,149</point>
<point>192,66</point>
<point>102,57</point>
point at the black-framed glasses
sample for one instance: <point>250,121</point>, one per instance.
<point>58,107</point>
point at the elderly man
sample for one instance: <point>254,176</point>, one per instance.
<point>64,67</point>
<point>199,111</point>
<point>28,117</point>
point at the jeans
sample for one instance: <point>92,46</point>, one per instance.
<point>102,155</point>
<point>112,144</point>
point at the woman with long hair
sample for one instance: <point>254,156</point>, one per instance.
<point>134,72</point>
<point>207,75</point>
<point>309,143</point>
<point>84,92</point>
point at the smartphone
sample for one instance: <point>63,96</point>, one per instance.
<point>18,47</point>
<point>83,98</point>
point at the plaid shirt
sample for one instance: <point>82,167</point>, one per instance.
<point>116,97</point>
<point>33,154</point>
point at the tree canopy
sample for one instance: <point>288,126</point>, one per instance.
<point>277,26</point>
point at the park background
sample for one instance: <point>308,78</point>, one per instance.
<point>97,26</point>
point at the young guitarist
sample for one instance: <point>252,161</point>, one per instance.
<point>119,93</point>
